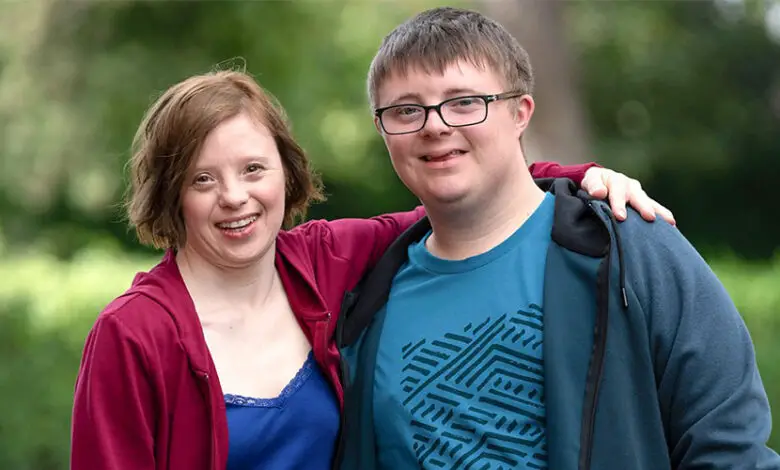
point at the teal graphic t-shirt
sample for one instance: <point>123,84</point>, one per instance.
<point>459,377</point>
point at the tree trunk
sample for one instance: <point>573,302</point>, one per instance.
<point>558,130</point>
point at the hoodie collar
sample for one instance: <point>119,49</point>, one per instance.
<point>165,285</point>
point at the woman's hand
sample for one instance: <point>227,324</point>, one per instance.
<point>601,183</point>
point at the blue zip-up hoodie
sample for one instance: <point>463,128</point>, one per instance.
<point>648,364</point>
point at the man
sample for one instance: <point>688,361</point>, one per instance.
<point>521,326</point>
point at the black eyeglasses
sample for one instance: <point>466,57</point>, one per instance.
<point>460,111</point>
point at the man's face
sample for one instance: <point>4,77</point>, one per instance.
<point>445,165</point>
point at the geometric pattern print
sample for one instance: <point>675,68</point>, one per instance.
<point>476,397</point>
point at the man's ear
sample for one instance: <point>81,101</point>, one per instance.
<point>378,125</point>
<point>524,110</point>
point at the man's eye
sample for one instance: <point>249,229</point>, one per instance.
<point>465,102</point>
<point>406,110</point>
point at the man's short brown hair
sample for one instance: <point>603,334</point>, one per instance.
<point>437,38</point>
<point>170,138</point>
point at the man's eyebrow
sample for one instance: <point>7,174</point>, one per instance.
<point>451,92</point>
<point>414,98</point>
<point>406,98</point>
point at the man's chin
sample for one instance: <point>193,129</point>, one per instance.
<point>444,200</point>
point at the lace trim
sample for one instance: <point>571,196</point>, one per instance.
<point>293,386</point>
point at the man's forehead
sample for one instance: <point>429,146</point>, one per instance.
<point>409,68</point>
<point>452,78</point>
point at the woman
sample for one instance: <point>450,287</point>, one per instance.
<point>221,356</point>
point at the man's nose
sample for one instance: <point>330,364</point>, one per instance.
<point>435,125</point>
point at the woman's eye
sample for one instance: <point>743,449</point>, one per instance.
<point>201,179</point>
<point>253,168</point>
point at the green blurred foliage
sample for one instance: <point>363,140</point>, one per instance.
<point>683,95</point>
<point>46,308</point>
<point>687,96</point>
<point>101,64</point>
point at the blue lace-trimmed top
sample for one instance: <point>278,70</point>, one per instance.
<point>296,430</point>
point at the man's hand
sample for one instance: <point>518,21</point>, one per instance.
<point>601,182</point>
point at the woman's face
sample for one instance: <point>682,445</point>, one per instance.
<point>233,197</point>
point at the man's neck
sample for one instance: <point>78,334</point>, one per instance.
<point>463,232</point>
<point>215,287</point>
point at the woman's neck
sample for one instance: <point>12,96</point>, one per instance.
<point>216,288</point>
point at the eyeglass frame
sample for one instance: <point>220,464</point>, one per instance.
<point>487,99</point>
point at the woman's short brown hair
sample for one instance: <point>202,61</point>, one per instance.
<point>171,135</point>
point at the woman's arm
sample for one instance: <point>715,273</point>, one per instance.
<point>113,423</point>
<point>601,183</point>
<point>362,241</point>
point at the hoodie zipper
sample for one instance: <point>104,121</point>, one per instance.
<point>347,304</point>
<point>596,367</point>
<point>203,376</point>
<point>321,342</point>
<point>338,455</point>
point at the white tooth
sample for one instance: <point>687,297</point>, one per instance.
<point>238,223</point>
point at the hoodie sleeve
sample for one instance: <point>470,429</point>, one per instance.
<point>711,395</point>
<point>554,170</point>
<point>363,241</point>
<point>113,410</point>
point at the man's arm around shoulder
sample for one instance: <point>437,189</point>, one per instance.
<point>713,402</point>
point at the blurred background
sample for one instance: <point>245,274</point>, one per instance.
<point>683,95</point>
